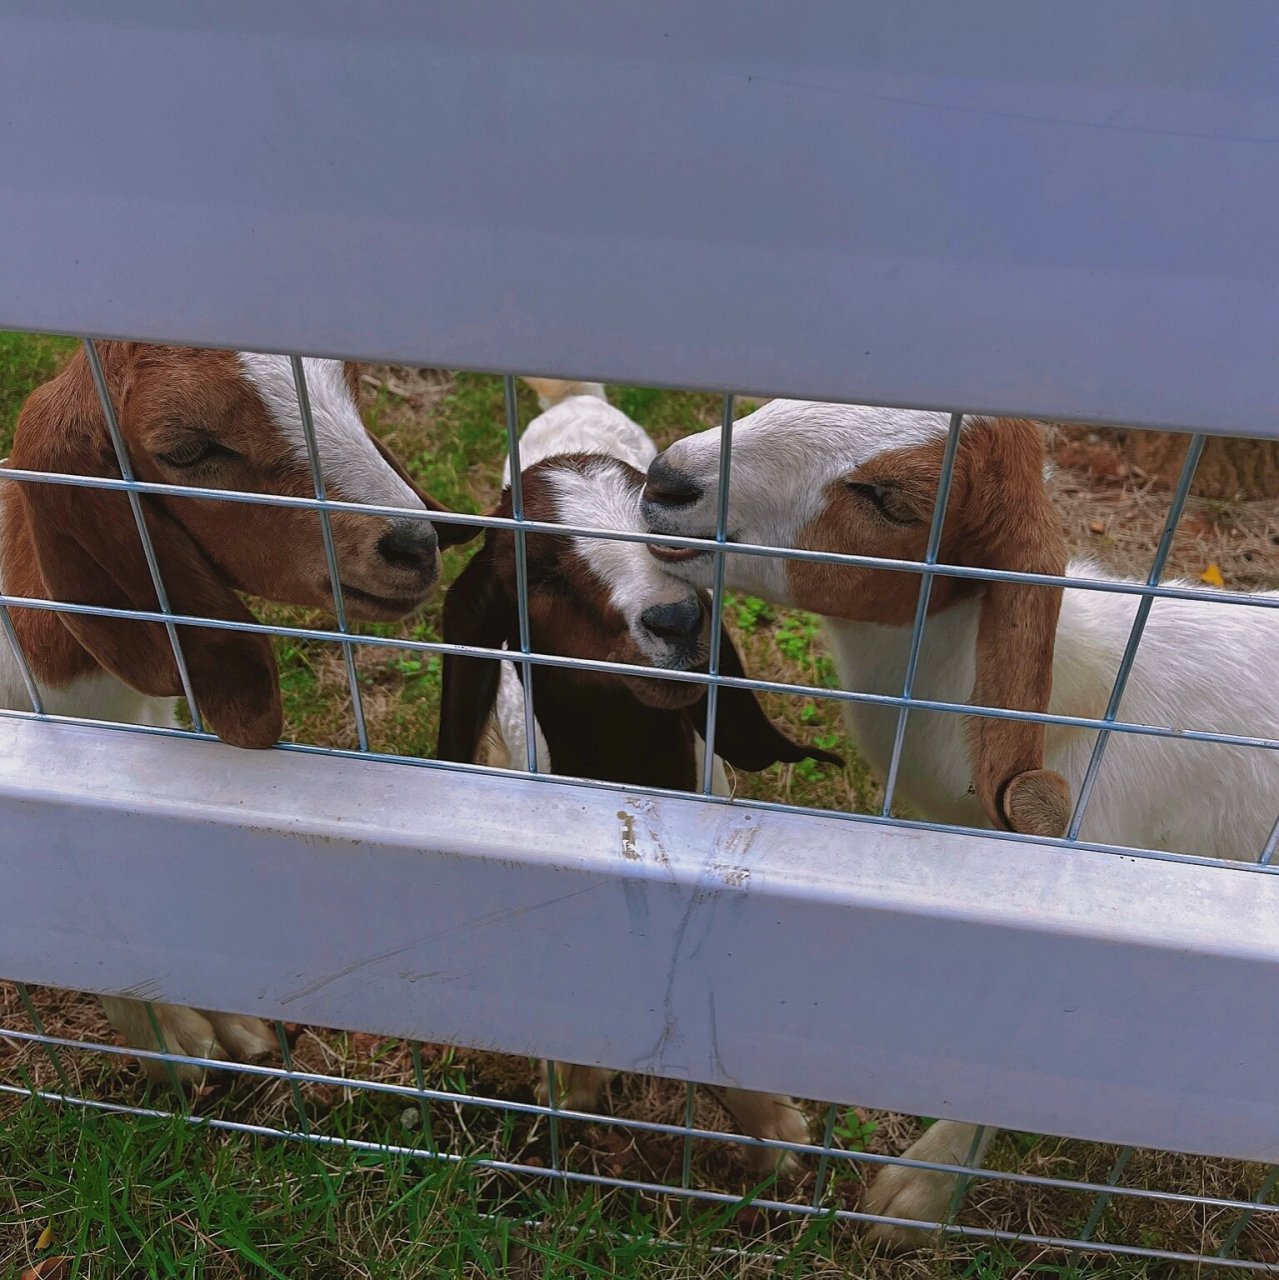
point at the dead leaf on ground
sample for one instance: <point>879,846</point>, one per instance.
<point>46,1238</point>
<point>1212,576</point>
<point>58,1268</point>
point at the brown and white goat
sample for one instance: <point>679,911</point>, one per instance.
<point>211,419</point>
<point>592,598</point>
<point>863,480</point>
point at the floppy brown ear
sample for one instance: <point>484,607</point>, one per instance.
<point>447,535</point>
<point>1015,525</point>
<point>744,735</point>
<point>477,611</point>
<point>89,552</point>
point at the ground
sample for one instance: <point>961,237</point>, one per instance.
<point>153,1197</point>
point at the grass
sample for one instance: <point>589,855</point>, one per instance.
<point>140,1197</point>
<point>125,1197</point>
<point>156,1196</point>
<point>26,360</point>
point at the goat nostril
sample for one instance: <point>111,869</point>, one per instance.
<point>681,620</point>
<point>409,544</point>
<point>669,487</point>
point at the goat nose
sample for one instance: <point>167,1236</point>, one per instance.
<point>409,544</point>
<point>680,620</point>
<point>669,487</point>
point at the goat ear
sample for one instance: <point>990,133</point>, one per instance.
<point>89,552</point>
<point>1013,521</point>
<point>744,735</point>
<point>447,535</point>
<point>476,612</point>
<point>455,535</point>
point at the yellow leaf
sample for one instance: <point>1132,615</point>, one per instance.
<point>1212,576</point>
<point>46,1238</point>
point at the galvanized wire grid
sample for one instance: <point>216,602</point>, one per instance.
<point>829,1159</point>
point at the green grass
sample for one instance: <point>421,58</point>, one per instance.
<point>131,1198</point>
<point>124,1197</point>
<point>158,1197</point>
<point>26,360</point>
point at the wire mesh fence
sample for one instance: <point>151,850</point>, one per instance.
<point>510,1125</point>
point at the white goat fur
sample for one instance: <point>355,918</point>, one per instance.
<point>1199,666</point>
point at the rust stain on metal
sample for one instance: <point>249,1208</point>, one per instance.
<point>629,848</point>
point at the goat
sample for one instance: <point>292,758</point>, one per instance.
<point>863,480</point>
<point>211,419</point>
<point>583,463</point>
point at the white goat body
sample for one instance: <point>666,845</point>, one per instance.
<point>1200,665</point>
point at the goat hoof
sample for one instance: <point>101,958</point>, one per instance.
<point>898,1192</point>
<point>577,1088</point>
<point>922,1195</point>
<point>763,1161</point>
<point>242,1038</point>
<point>775,1118</point>
<point>193,1033</point>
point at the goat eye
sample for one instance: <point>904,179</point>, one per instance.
<point>191,452</point>
<point>881,496</point>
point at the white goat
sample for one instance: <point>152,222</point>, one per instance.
<point>862,480</point>
<point>217,420</point>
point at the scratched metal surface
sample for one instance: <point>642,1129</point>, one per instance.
<point>1070,215</point>
<point>719,944</point>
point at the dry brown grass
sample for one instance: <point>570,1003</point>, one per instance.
<point>1114,513</point>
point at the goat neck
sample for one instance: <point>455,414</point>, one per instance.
<point>603,732</point>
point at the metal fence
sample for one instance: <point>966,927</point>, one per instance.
<point>825,208</point>
<point>49,758</point>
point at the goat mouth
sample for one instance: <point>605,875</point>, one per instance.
<point>692,658</point>
<point>665,695</point>
<point>675,555</point>
<point>396,605</point>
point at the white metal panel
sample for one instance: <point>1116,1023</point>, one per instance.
<point>1066,210</point>
<point>1066,992</point>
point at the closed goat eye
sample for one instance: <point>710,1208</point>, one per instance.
<point>190,453</point>
<point>886,499</point>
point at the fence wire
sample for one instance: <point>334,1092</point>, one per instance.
<point>534,1142</point>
